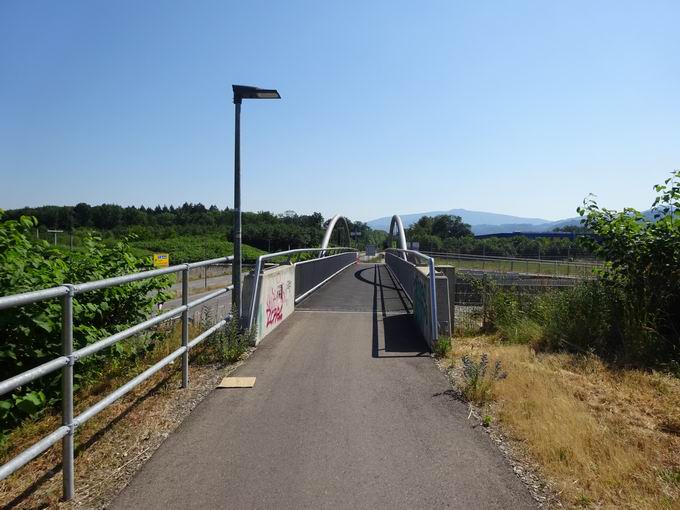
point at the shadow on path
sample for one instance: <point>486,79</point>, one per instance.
<point>401,338</point>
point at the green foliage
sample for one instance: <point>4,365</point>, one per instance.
<point>228,344</point>
<point>630,313</point>
<point>486,421</point>
<point>233,341</point>
<point>191,232</point>
<point>442,346</point>
<point>478,378</point>
<point>32,333</point>
<point>192,248</point>
<point>643,269</point>
<point>517,316</point>
<point>432,232</point>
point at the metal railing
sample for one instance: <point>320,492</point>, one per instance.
<point>288,255</point>
<point>527,265</point>
<point>404,263</point>
<point>69,357</point>
<point>312,274</point>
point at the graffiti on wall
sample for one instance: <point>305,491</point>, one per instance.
<point>277,299</point>
<point>420,306</point>
<point>275,302</point>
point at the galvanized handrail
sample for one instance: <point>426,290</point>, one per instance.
<point>260,264</point>
<point>69,357</point>
<point>433,282</point>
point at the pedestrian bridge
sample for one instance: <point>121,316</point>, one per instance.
<point>349,410</point>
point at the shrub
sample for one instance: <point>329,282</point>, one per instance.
<point>31,334</point>
<point>642,270</point>
<point>515,315</point>
<point>442,346</point>
<point>478,380</point>
<point>228,344</point>
<point>630,313</point>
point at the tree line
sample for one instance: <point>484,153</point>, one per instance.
<point>448,233</point>
<point>263,230</point>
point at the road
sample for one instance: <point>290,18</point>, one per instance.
<point>348,412</point>
<point>220,306</point>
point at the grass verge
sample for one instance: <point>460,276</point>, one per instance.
<point>605,438</point>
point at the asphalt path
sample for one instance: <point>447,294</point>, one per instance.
<point>348,411</point>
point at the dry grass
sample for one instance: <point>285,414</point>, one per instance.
<point>606,438</point>
<point>112,445</point>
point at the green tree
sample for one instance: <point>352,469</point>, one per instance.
<point>446,226</point>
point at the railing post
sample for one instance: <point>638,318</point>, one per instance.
<point>185,326</point>
<point>67,394</point>
<point>433,300</point>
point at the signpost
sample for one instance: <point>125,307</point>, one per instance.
<point>161,260</point>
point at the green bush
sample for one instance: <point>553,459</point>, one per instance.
<point>642,273</point>
<point>479,378</point>
<point>631,313</point>
<point>442,346</point>
<point>31,334</point>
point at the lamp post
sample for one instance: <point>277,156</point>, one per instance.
<point>241,92</point>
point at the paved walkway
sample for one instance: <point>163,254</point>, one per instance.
<point>348,412</point>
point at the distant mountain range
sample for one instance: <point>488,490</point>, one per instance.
<point>482,222</point>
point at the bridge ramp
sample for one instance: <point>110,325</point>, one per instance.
<point>348,412</point>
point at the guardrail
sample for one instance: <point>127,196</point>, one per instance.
<point>324,253</point>
<point>519,264</point>
<point>69,357</point>
<point>404,264</point>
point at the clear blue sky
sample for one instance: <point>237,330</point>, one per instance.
<point>512,107</point>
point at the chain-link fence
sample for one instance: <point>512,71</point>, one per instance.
<point>472,290</point>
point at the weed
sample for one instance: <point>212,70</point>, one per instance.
<point>442,346</point>
<point>478,379</point>
<point>671,476</point>
<point>486,421</point>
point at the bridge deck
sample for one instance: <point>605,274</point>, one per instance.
<point>347,412</point>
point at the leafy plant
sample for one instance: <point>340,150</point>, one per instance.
<point>442,346</point>
<point>643,270</point>
<point>478,380</point>
<point>32,333</point>
<point>231,342</point>
<point>486,421</point>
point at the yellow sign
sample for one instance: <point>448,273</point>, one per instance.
<point>161,260</point>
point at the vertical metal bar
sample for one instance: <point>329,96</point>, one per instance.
<point>185,326</point>
<point>256,285</point>
<point>67,394</point>
<point>236,268</point>
<point>433,299</point>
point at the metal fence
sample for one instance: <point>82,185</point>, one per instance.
<point>69,357</point>
<point>404,264</point>
<point>287,257</point>
<point>471,290</point>
<point>573,268</point>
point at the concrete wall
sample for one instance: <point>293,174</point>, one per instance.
<point>416,283</point>
<point>276,299</point>
<point>422,304</point>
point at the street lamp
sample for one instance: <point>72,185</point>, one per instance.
<point>241,92</point>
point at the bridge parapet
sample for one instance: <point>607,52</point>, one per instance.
<point>418,278</point>
<point>275,292</point>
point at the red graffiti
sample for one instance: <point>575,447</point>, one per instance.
<point>275,306</point>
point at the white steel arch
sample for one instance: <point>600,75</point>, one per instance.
<point>396,220</point>
<point>329,231</point>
